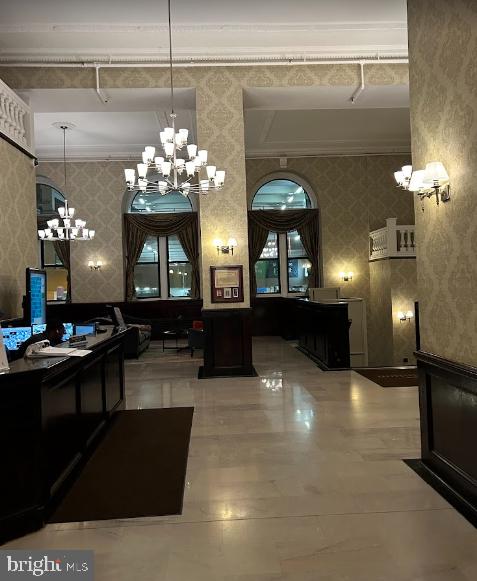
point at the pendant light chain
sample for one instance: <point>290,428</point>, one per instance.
<point>170,55</point>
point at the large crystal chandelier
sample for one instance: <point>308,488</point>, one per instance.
<point>65,228</point>
<point>178,174</point>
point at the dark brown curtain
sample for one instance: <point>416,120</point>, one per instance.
<point>138,227</point>
<point>189,239</point>
<point>62,249</point>
<point>257,238</point>
<point>307,222</point>
<point>310,238</point>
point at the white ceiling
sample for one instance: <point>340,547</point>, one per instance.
<point>98,30</point>
<point>324,121</point>
<point>278,121</point>
<point>118,129</point>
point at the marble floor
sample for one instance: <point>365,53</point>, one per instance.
<point>295,475</point>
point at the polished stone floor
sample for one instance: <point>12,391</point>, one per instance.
<point>293,476</point>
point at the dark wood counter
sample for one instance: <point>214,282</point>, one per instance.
<point>323,332</point>
<point>51,411</point>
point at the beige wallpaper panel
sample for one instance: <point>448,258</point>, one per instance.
<point>96,191</point>
<point>443,87</point>
<point>380,325</point>
<point>403,294</point>
<point>18,238</point>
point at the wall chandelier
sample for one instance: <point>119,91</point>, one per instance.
<point>65,228</point>
<point>178,174</point>
<point>432,181</point>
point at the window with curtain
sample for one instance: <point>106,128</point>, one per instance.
<point>48,200</point>
<point>162,270</point>
<point>283,266</point>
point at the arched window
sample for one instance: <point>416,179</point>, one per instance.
<point>283,265</point>
<point>281,194</point>
<point>48,199</point>
<point>163,269</point>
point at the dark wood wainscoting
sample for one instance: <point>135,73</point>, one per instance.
<point>161,314</point>
<point>228,343</point>
<point>448,406</point>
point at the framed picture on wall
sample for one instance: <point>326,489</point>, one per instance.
<point>226,284</point>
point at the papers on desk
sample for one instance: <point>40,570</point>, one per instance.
<point>60,352</point>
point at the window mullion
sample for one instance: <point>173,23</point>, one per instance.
<point>163,267</point>
<point>283,254</point>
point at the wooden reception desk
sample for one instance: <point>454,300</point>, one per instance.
<point>51,412</point>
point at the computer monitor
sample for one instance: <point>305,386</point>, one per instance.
<point>68,331</point>
<point>38,329</point>
<point>35,304</point>
<point>13,337</point>
<point>87,329</point>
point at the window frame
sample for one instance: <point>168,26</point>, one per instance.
<point>304,256</point>
<point>282,237</point>
<point>158,263</point>
<point>167,270</point>
<point>279,293</point>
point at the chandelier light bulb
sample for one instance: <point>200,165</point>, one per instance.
<point>158,162</point>
<point>150,152</point>
<point>169,134</point>
<point>145,158</point>
<point>192,150</point>
<point>71,212</point>
<point>142,170</point>
<point>203,156</point>
<point>211,169</point>
<point>185,189</point>
<point>61,212</point>
<point>130,175</point>
<point>166,168</point>
<point>142,184</point>
<point>190,168</point>
<point>180,165</point>
<point>169,149</point>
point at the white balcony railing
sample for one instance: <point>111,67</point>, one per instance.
<point>16,118</point>
<point>392,241</point>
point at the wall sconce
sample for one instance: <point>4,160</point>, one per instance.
<point>402,316</point>
<point>434,180</point>
<point>95,265</point>
<point>225,249</point>
<point>403,177</point>
<point>346,276</point>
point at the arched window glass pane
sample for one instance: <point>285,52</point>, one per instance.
<point>173,202</point>
<point>48,199</point>
<point>281,195</point>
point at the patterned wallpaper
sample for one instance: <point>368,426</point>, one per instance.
<point>380,325</point>
<point>96,191</point>
<point>18,239</point>
<point>443,86</point>
<point>403,294</point>
<point>220,128</point>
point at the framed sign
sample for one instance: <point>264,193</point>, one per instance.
<point>226,284</point>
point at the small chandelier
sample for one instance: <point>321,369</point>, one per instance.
<point>177,173</point>
<point>67,229</point>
